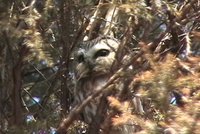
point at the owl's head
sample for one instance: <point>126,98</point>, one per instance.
<point>96,57</point>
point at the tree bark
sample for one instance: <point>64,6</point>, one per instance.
<point>16,97</point>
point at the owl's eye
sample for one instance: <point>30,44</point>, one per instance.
<point>80,58</point>
<point>101,53</point>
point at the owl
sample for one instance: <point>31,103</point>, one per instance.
<point>94,66</point>
<point>94,61</point>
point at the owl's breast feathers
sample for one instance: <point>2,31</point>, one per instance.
<point>86,87</point>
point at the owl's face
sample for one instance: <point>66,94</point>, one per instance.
<point>96,58</point>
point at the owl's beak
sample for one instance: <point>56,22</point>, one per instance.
<point>90,63</point>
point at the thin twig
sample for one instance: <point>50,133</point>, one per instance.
<point>49,84</point>
<point>33,99</point>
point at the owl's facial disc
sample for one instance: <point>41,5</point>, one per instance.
<point>96,59</point>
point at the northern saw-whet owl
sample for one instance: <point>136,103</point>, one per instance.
<point>94,63</point>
